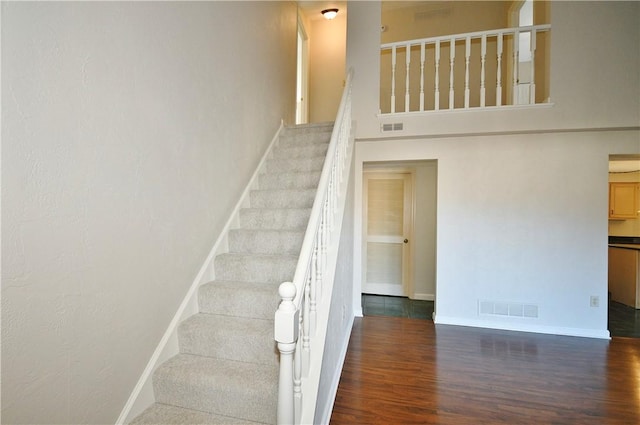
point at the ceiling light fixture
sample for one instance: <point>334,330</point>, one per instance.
<point>329,13</point>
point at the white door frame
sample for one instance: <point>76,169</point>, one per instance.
<point>302,75</point>
<point>409,213</point>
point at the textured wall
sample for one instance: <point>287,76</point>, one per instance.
<point>129,130</point>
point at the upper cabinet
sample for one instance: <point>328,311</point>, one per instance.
<point>623,200</point>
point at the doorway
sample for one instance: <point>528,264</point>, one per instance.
<point>302,75</point>
<point>388,230</point>
<point>624,242</point>
<point>398,268</point>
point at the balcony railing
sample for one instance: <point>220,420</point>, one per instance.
<point>462,71</point>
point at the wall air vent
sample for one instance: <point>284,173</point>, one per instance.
<point>397,126</point>
<point>509,309</point>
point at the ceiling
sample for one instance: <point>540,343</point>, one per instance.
<point>312,9</point>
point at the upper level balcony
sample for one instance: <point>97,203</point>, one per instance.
<point>457,56</point>
<point>484,69</point>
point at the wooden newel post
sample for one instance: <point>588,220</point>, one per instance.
<point>286,334</point>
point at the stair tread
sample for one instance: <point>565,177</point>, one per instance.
<point>219,386</point>
<point>165,414</point>
<point>229,297</point>
<point>229,337</point>
<point>221,373</point>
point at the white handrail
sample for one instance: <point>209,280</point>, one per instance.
<point>303,300</point>
<point>462,36</point>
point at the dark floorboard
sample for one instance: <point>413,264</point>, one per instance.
<point>407,371</point>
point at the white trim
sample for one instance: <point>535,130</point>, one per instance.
<point>142,395</point>
<point>522,327</point>
<point>423,297</point>
<point>335,381</point>
<point>396,115</point>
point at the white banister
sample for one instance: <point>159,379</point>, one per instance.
<point>302,316</point>
<point>452,60</point>
<point>532,89</point>
<point>393,79</point>
<point>408,64</point>
<point>483,60</point>
<point>286,334</point>
<point>499,73</point>
<point>516,61</point>
<point>422,60</point>
<point>475,90</point>
<point>467,55</point>
<point>437,80</point>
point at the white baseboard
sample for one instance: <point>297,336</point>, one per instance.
<point>142,395</point>
<point>335,381</point>
<point>423,297</point>
<point>522,327</point>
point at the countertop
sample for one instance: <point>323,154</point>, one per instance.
<point>625,246</point>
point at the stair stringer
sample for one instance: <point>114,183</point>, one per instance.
<point>142,395</point>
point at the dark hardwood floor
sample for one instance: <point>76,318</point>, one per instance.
<point>410,371</point>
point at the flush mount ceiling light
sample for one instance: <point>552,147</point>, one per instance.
<point>329,13</point>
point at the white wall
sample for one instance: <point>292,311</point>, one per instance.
<point>327,53</point>
<point>522,209</point>
<point>340,315</point>
<point>129,131</point>
<point>592,83</point>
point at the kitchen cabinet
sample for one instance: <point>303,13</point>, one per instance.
<point>624,274</point>
<point>623,201</point>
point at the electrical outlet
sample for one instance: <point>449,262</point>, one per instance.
<point>594,301</point>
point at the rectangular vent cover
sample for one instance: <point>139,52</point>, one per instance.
<point>497,308</point>
<point>393,127</point>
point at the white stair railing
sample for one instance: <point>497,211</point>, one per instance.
<point>301,319</point>
<point>475,64</point>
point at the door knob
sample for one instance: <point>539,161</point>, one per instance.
<point>406,241</point>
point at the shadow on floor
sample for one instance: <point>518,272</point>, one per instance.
<point>380,305</point>
<point>623,320</point>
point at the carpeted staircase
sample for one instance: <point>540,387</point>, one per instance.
<point>227,369</point>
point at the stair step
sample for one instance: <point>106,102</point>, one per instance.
<point>266,241</point>
<point>274,218</point>
<point>282,198</point>
<point>228,337</point>
<point>164,414</point>
<point>290,180</point>
<point>223,387</point>
<point>255,267</point>
<point>301,151</point>
<point>242,299</point>
<point>280,165</point>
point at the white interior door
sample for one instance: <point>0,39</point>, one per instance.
<point>388,210</point>
<point>302,113</point>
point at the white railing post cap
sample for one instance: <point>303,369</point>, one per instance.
<point>287,316</point>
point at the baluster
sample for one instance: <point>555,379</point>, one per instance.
<point>311,326</point>
<point>467,55</point>
<point>408,64</point>
<point>286,334</point>
<point>307,306</point>
<point>422,48</point>
<point>483,58</point>
<point>499,73</point>
<point>437,82</point>
<point>297,377</point>
<point>452,57</point>
<point>516,56</point>
<point>393,79</point>
<point>532,86</point>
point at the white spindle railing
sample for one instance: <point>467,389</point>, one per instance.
<point>301,318</point>
<point>474,88</point>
